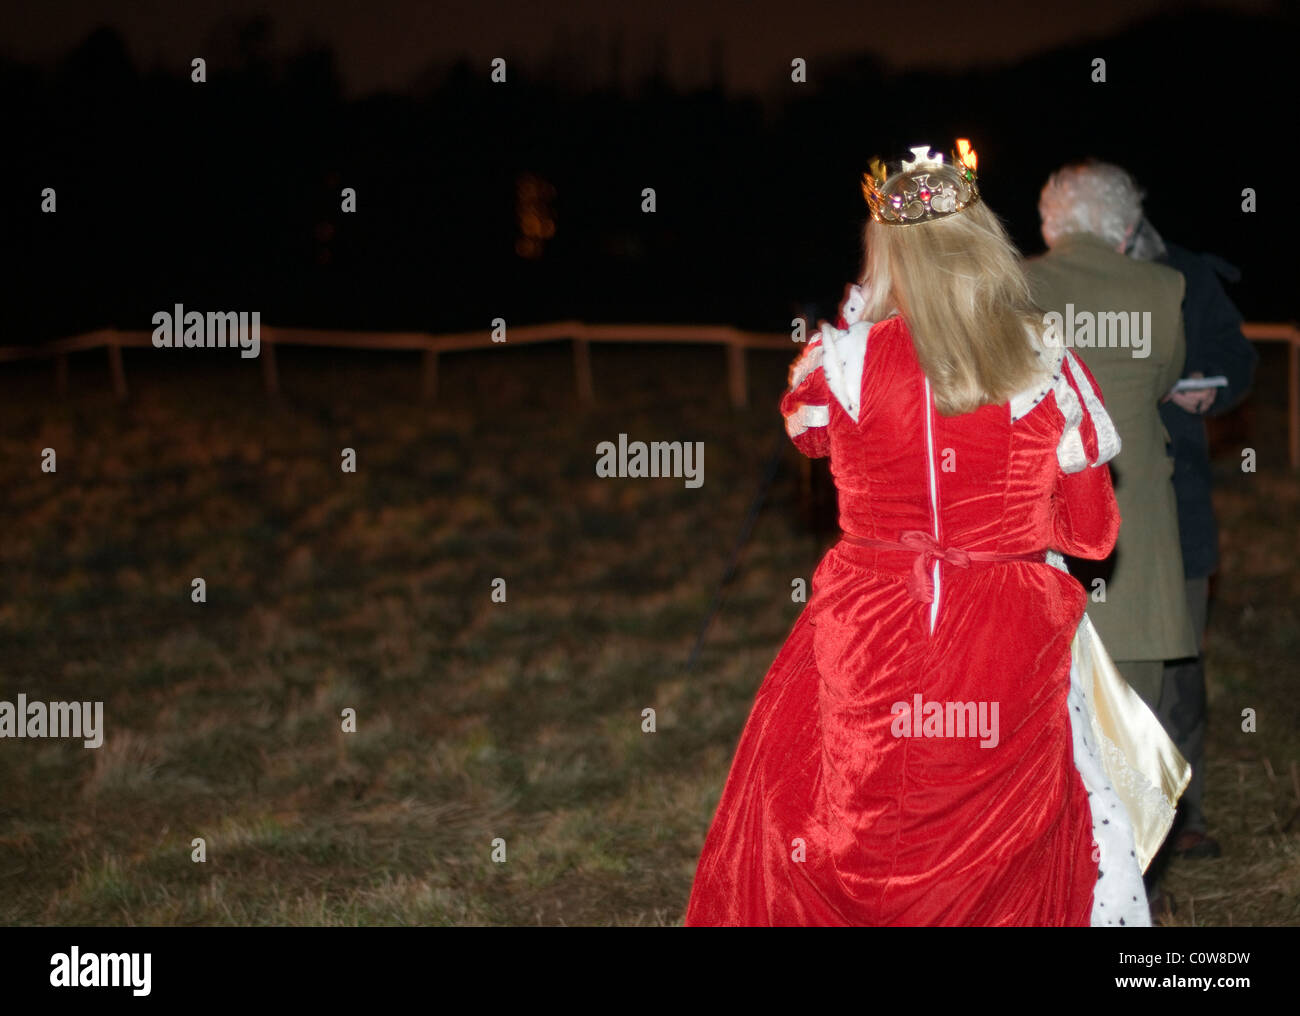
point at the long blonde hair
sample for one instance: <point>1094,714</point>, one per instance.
<point>960,287</point>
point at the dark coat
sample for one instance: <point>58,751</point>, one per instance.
<point>1215,345</point>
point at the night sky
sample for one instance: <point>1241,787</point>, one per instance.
<point>228,191</point>
<point>384,46</point>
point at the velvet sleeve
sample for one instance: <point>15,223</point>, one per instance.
<point>806,405</point>
<point>1085,515</point>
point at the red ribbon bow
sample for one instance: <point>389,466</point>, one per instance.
<point>919,583</point>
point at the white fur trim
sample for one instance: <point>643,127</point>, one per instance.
<point>807,416</point>
<point>1051,357</point>
<point>1108,443</point>
<point>1118,897</point>
<point>855,304</point>
<point>1069,450</point>
<point>846,352</point>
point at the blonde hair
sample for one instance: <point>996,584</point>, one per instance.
<point>960,287</point>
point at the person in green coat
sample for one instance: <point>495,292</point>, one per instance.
<point>1123,318</point>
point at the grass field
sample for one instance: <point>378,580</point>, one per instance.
<point>476,720</point>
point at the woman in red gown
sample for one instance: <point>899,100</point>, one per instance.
<point>908,759</point>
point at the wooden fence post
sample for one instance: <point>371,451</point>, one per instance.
<point>115,367</point>
<point>429,376</point>
<point>1293,398</point>
<point>270,370</point>
<point>582,372</point>
<point>736,375</point>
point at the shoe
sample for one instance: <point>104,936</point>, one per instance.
<point>1162,906</point>
<point>1195,845</point>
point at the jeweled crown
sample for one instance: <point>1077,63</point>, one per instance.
<point>921,188</point>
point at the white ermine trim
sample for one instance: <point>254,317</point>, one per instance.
<point>855,303</point>
<point>846,352</point>
<point>1108,443</point>
<point>1069,450</point>
<point>807,416</point>
<point>1051,356</point>
<point>1118,895</point>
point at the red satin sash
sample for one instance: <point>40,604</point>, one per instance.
<point>927,551</point>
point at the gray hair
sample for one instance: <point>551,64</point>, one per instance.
<point>1147,244</point>
<point>1090,197</point>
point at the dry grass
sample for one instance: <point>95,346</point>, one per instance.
<point>476,720</point>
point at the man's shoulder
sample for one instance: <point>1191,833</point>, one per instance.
<point>1108,267</point>
<point>1158,276</point>
<point>1075,255</point>
<point>1043,269</point>
<point>1207,270</point>
<point>1112,262</point>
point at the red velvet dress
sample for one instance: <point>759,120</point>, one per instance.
<point>830,815</point>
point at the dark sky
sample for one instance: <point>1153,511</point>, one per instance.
<point>384,45</point>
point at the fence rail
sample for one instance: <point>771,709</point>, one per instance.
<point>580,333</point>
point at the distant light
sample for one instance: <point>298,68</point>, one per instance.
<point>533,214</point>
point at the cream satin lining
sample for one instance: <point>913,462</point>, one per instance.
<point>1145,768</point>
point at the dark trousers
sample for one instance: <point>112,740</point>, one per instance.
<point>1182,709</point>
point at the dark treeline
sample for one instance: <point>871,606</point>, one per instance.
<point>227,194</point>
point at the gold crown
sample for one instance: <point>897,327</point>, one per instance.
<point>923,187</point>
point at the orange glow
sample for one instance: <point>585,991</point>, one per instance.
<point>533,213</point>
<point>967,153</point>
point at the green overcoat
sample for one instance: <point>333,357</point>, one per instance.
<point>1135,358</point>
